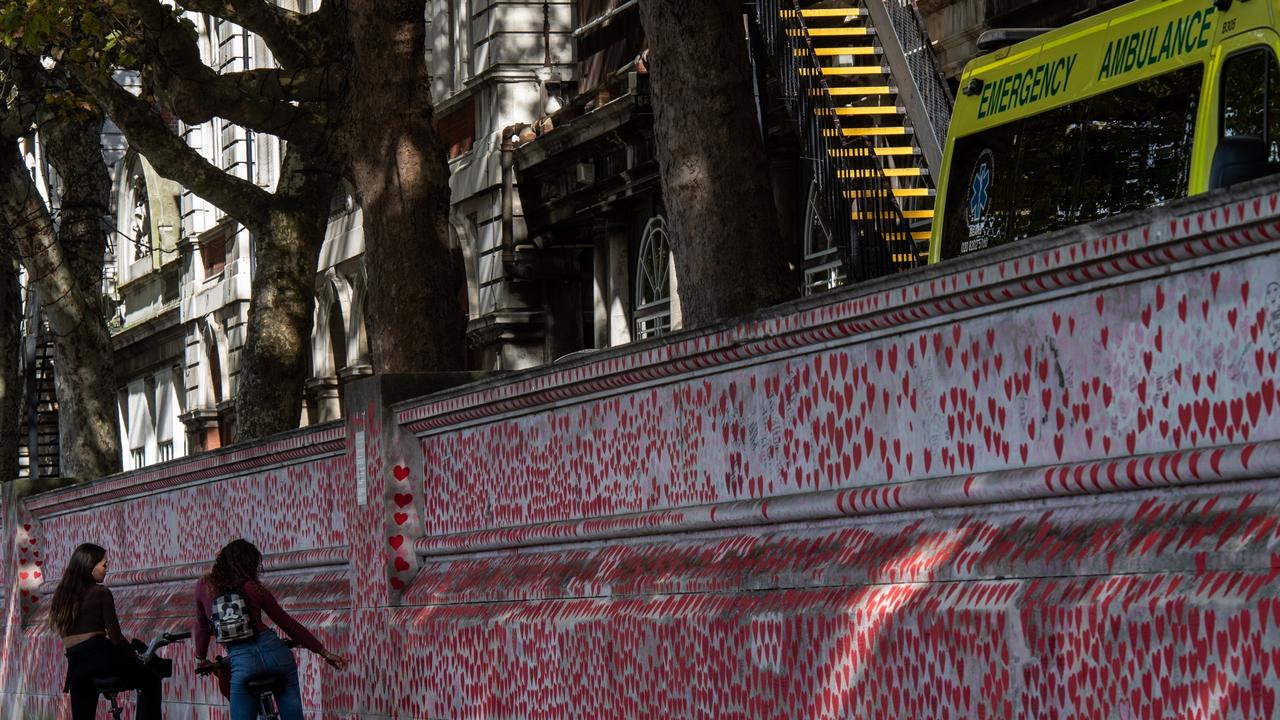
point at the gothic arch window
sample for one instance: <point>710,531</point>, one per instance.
<point>137,220</point>
<point>653,280</point>
<point>133,239</point>
<point>822,267</point>
<point>335,328</point>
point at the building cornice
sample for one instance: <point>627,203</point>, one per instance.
<point>166,318</point>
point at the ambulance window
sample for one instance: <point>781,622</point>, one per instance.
<point>1138,145</point>
<point>1120,151</point>
<point>1251,97</point>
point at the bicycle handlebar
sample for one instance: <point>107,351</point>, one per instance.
<point>159,641</point>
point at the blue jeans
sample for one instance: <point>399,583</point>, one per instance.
<point>266,653</point>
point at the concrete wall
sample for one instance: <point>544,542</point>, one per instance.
<point>1036,482</point>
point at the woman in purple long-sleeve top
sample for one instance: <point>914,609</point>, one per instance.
<point>236,571</point>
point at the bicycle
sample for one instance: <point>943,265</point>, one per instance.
<point>111,686</point>
<point>263,686</point>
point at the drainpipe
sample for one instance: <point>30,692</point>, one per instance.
<point>507,154</point>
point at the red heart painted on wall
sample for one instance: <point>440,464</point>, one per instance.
<point>403,499</point>
<point>401,472</point>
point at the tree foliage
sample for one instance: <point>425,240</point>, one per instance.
<point>349,92</point>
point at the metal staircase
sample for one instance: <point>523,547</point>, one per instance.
<point>871,110</point>
<point>40,404</point>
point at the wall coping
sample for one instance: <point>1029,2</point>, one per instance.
<point>286,449</point>
<point>1124,245</point>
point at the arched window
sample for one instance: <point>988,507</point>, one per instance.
<point>822,267</point>
<point>653,280</point>
<point>133,210</point>
<point>139,216</point>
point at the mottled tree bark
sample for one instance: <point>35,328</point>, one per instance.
<point>84,369</point>
<point>64,265</point>
<point>396,162</point>
<point>10,347</point>
<point>726,241</point>
<point>273,364</point>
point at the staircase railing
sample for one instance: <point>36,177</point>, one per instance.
<point>909,53</point>
<point>868,227</point>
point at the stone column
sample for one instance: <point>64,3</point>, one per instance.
<point>204,432</point>
<point>327,392</point>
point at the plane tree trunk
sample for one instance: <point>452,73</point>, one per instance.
<point>417,318</point>
<point>728,249</point>
<point>64,266</point>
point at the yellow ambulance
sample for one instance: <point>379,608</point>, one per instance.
<point>1146,103</point>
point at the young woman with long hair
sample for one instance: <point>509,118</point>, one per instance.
<point>83,612</point>
<point>236,571</point>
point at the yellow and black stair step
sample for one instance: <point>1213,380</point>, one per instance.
<point>915,192</point>
<point>838,12</point>
<point>862,94</point>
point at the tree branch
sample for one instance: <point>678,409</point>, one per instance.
<point>309,84</point>
<point>172,157</point>
<point>196,93</point>
<point>287,33</point>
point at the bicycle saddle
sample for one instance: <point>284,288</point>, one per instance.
<point>264,682</point>
<point>107,685</point>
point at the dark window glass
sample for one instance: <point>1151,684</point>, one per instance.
<point>213,253</point>
<point>1125,150</point>
<point>1250,95</point>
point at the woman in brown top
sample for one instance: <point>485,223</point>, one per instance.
<point>83,612</point>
